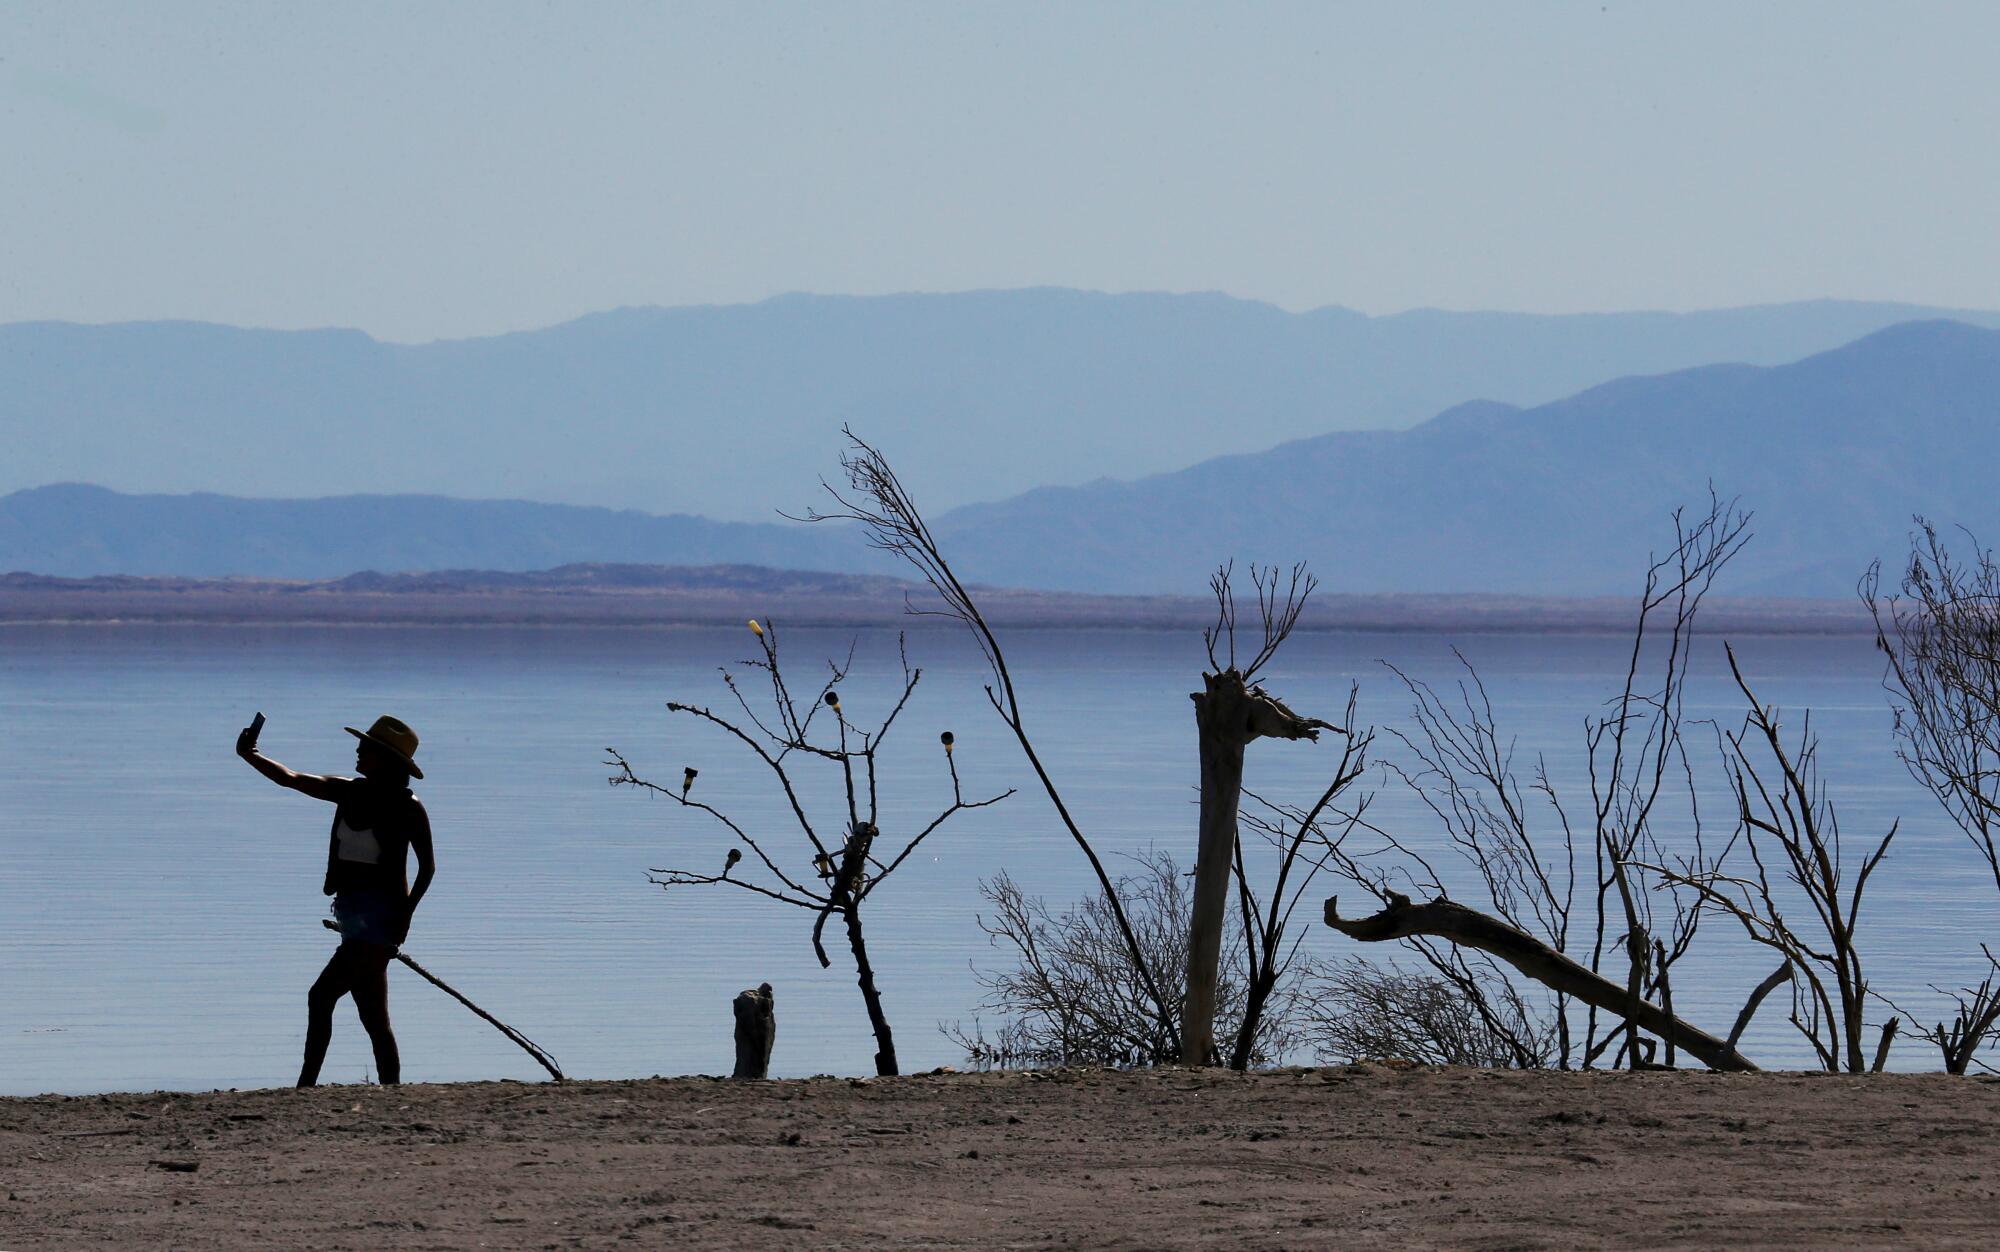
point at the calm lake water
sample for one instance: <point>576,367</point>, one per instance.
<point>159,914</point>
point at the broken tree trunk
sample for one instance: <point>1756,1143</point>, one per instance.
<point>756,1031</point>
<point>1228,715</point>
<point>1776,979</point>
<point>1444,919</point>
<point>1882,1048</point>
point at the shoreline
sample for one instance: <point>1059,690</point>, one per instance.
<point>1376,1154</point>
<point>676,598</point>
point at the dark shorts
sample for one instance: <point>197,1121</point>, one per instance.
<point>366,917</point>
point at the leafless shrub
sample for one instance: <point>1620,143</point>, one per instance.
<point>1355,1010</point>
<point>1974,1023</point>
<point>1067,992</point>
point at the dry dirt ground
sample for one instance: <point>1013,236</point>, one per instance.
<point>1357,1156</point>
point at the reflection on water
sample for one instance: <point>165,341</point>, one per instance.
<point>159,913</point>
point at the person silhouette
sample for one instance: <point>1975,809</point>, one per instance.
<point>377,823</point>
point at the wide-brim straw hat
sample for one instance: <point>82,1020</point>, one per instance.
<point>393,737</point>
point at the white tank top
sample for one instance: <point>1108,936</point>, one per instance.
<point>359,846</point>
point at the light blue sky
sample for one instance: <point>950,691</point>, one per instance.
<point>436,170</point>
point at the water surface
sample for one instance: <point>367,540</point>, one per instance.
<point>160,910</point>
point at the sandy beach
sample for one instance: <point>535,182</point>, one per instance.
<point>1370,1155</point>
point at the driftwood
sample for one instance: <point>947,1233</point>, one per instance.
<point>1444,919</point>
<point>756,1031</point>
<point>520,1040</point>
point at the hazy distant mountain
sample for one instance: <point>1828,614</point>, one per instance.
<point>1834,453</point>
<point>731,412</point>
<point>79,531</point>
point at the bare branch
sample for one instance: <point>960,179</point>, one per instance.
<point>689,878</point>
<point>876,499</point>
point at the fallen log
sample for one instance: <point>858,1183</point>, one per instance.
<point>1469,928</point>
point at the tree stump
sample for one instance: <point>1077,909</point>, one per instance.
<point>756,1031</point>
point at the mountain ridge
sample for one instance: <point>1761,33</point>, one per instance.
<point>1835,452</point>
<point>722,410</point>
<point>1524,499</point>
<point>81,530</point>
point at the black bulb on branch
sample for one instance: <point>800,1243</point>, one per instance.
<point>833,700</point>
<point>735,855</point>
<point>687,778</point>
<point>947,740</point>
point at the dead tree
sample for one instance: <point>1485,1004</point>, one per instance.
<point>1230,713</point>
<point>1784,817</point>
<point>1464,773</point>
<point>876,499</point>
<point>1643,798</point>
<point>1638,762</point>
<point>1940,633</point>
<point>834,874</point>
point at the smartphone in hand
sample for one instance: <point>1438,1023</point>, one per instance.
<point>255,728</point>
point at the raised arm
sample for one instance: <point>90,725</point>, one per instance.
<point>318,786</point>
<point>420,843</point>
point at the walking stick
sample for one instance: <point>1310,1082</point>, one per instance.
<point>526,1044</point>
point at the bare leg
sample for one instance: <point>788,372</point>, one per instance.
<point>333,982</point>
<point>371,1000</point>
